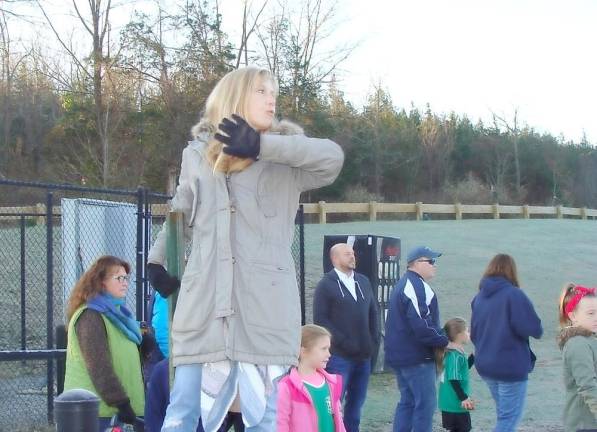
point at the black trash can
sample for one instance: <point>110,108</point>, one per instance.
<point>76,410</point>
<point>378,258</point>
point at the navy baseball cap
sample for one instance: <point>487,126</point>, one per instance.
<point>420,252</point>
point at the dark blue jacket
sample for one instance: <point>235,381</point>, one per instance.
<point>502,321</point>
<point>412,324</point>
<point>354,325</point>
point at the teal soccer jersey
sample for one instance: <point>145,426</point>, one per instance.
<point>455,368</point>
<point>323,406</point>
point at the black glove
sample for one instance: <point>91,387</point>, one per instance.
<point>242,141</point>
<point>126,413</point>
<point>148,344</point>
<point>161,281</point>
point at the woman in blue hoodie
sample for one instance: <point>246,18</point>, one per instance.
<point>503,319</point>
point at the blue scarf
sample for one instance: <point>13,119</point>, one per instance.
<point>115,310</point>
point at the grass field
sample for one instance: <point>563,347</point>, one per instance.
<point>548,252</point>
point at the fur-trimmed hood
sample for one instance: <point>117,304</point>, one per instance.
<point>569,332</point>
<point>279,127</point>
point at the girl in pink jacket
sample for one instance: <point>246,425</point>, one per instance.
<point>308,396</point>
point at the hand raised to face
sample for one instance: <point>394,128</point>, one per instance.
<point>241,140</point>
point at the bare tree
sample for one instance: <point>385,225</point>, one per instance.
<point>494,162</point>
<point>272,35</point>
<point>512,128</point>
<point>248,30</point>
<point>437,139</point>
<point>293,45</point>
<point>95,22</point>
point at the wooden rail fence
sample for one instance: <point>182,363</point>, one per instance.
<point>418,209</point>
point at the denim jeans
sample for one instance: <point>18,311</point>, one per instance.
<point>509,400</point>
<point>184,409</point>
<point>418,400</point>
<point>355,378</point>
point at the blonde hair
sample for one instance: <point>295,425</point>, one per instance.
<point>310,333</point>
<point>92,282</point>
<point>568,291</point>
<point>452,328</point>
<point>229,96</point>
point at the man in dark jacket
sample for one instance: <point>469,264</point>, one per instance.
<point>344,304</point>
<point>413,330</point>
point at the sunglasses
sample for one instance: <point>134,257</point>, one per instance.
<point>430,261</point>
<point>121,279</point>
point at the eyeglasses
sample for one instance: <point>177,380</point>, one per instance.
<point>121,279</point>
<point>430,261</point>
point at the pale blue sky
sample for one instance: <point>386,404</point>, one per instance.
<point>480,56</point>
<point>473,57</point>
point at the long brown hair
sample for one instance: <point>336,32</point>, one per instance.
<point>91,283</point>
<point>503,265</point>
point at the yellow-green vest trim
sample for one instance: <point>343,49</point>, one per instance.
<point>125,361</point>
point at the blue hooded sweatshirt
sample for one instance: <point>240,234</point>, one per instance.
<point>412,325</point>
<point>503,319</point>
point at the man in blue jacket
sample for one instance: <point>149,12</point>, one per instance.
<point>344,304</point>
<point>413,330</point>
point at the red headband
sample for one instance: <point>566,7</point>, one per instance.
<point>579,293</point>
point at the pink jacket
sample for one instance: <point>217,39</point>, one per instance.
<point>296,412</point>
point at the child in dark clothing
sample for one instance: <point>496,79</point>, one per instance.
<point>454,400</point>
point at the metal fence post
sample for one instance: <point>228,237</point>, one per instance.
<point>140,274</point>
<point>50,303</point>
<point>23,310</point>
<point>146,246</point>
<point>301,217</point>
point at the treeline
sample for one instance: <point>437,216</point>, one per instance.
<point>120,115</point>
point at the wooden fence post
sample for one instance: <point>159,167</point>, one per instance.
<point>496,210</point>
<point>583,213</point>
<point>458,211</point>
<point>372,210</point>
<point>40,209</point>
<point>419,209</point>
<point>322,215</point>
<point>525,212</point>
<point>559,213</point>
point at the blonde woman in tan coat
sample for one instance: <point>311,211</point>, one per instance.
<point>237,321</point>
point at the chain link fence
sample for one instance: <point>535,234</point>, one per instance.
<point>49,235</point>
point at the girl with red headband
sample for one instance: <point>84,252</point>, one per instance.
<point>578,319</point>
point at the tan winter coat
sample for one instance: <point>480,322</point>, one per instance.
<point>239,298</point>
<point>579,349</point>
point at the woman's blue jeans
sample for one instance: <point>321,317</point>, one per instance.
<point>509,400</point>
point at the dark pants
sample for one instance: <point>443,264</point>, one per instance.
<point>355,378</point>
<point>233,420</point>
<point>456,422</point>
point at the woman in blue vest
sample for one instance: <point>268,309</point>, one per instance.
<point>103,342</point>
